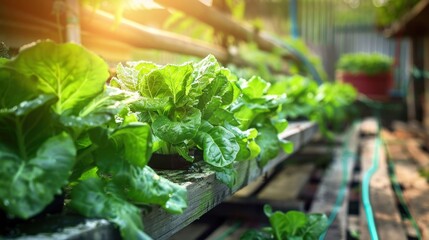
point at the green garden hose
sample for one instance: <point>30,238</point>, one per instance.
<point>372,228</point>
<point>345,155</point>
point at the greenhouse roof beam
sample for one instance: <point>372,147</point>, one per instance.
<point>146,37</point>
<point>224,23</point>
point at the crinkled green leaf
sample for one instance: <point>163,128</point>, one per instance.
<point>216,88</point>
<point>233,91</point>
<point>316,226</point>
<point>168,81</point>
<point>255,87</point>
<point>130,143</point>
<point>151,104</point>
<point>219,145</point>
<point>100,110</point>
<point>177,78</point>
<point>244,152</point>
<point>134,143</point>
<point>25,107</point>
<point>254,149</point>
<point>206,68</point>
<point>15,88</point>
<point>245,139</point>
<point>29,183</point>
<point>280,124</point>
<point>204,73</point>
<point>25,127</point>
<point>68,71</point>
<point>95,199</point>
<point>143,67</point>
<point>126,116</point>
<point>266,103</point>
<point>183,151</point>
<point>287,146</point>
<point>128,76</point>
<point>288,225</point>
<point>254,234</point>
<point>175,132</point>
<point>268,210</point>
<point>227,175</point>
<point>148,187</point>
<point>211,106</point>
<point>295,220</point>
<point>268,142</point>
<point>248,134</point>
<point>296,225</point>
<point>220,116</point>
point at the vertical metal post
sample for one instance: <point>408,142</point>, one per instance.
<point>293,10</point>
<point>72,21</point>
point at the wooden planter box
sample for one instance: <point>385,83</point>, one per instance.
<point>373,86</point>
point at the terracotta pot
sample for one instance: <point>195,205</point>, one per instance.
<point>374,86</point>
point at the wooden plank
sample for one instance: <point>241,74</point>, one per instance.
<point>316,150</point>
<point>329,188</point>
<point>415,151</point>
<point>416,193</point>
<point>369,126</point>
<point>386,214</point>
<point>204,192</point>
<point>288,183</point>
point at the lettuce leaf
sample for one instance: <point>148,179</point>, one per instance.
<point>29,183</point>
<point>68,71</point>
<point>97,199</point>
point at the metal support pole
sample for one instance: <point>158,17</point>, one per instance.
<point>293,10</point>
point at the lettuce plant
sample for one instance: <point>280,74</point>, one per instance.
<point>187,107</point>
<point>328,104</point>
<point>58,129</point>
<point>290,225</point>
<point>300,92</point>
<point>257,109</point>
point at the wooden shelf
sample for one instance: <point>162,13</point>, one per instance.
<point>414,23</point>
<point>204,193</point>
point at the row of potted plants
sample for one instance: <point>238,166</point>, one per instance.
<point>64,131</point>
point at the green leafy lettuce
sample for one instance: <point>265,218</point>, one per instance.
<point>257,109</point>
<point>290,225</point>
<point>62,128</point>
<point>188,107</point>
<point>328,104</point>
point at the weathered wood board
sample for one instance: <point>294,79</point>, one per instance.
<point>288,183</point>
<point>415,188</point>
<point>329,188</point>
<point>382,198</point>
